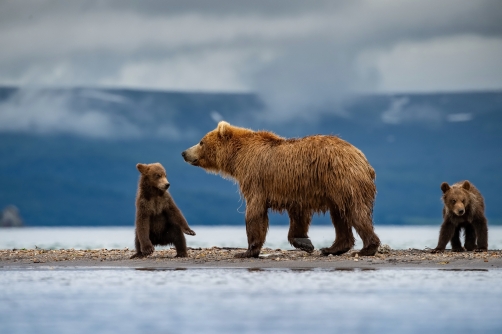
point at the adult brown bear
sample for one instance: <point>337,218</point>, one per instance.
<point>302,176</point>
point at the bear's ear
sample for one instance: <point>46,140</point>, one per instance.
<point>142,168</point>
<point>445,187</point>
<point>224,129</point>
<point>466,185</point>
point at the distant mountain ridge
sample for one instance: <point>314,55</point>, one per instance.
<point>69,155</point>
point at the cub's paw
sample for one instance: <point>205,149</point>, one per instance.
<point>182,254</point>
<point>188,231</point>
<point>147,250</point>
<point>304,244</point>
<point>461,249</point>
<point>437,250</point>
<point>481,250</point>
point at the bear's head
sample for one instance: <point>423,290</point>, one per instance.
<point>217,148</point>
<point>154,175</point>
<point>456,198</point>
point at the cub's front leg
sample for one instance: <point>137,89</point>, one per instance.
<point>445,235</point>
<point>142,243</point>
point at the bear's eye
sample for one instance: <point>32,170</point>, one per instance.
<point>158,175</point>
<point>453,201</point>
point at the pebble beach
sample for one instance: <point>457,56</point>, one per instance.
<point>222,257</point>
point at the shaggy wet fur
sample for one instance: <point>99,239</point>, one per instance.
<point>464,208</point>
<point>158,219</point>
<point>301,176</point>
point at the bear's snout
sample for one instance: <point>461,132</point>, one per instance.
<point>190,155</point>
<point>167,185</point>
<point>459,210</point>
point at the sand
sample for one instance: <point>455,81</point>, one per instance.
<point>217,257</point>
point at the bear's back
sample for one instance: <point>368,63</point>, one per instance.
<point>313,171</point>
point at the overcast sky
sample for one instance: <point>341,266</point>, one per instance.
<point>293,53</point>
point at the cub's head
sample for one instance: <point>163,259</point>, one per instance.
<point>154,175</point>
<point>216,149</point>
<point>456,198</point>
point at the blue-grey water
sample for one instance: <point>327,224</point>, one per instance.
<point>397,237</point>
<point>51,300</point>
<point>131,300</point>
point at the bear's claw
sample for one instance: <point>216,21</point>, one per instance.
<point>304,244</point>
<point>189,232</point>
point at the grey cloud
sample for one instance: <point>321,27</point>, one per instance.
<point>297,55</point>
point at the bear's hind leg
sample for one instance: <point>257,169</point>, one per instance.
<point>344,239</point>
<point>256,229</point>
<point>299,223</point>
<point>371,242</point>
<point>456,245</point>
<point>470,237</point>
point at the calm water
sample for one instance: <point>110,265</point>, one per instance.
<point>250,301</point>
<point>397,237</point>
<point>126,300</point>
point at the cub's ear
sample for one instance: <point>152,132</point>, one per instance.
<point>466,185</point>
<point>445,187</point>
<point>224,129</point>
<point>142,168</point>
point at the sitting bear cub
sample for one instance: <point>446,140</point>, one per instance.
<point>463,208</point>
<point>158,219</point>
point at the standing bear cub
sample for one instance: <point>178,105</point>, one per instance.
<point>464,208</point>
<point>158,219</point>
<point>301,176</point>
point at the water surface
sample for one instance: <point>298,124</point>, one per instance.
<point>398,237</point>
<point>56,300</point>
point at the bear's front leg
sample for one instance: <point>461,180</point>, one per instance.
<point>481,228</point>
<point>174,215</point>
<point>445,235</point>
<point>144,246</point>
<point>470,237</point>
<point>139,254</point>
<point>456,245</point>
<point>256,229</point>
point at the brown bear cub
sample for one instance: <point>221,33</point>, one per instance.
<point>464,208</point>
<point>158,219</point>
<point>302,176</point>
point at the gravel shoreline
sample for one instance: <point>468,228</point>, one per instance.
<point>218,257</point>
